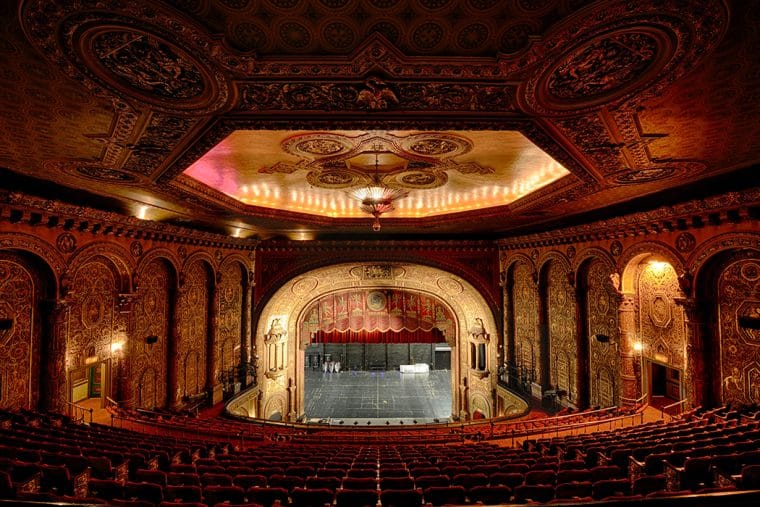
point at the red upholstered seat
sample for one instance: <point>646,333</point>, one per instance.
<point>152,476</point>
<point>183,493</point>
<point>359,483</point>
<point>427,481</point>
<point>442,495</point>
<point>144,491</point>
<point>312,497</point>
<point>401,498</point>
<point>356,498</point>
<point>267,496</point>
<point>213,495</point>
<point>610,487</point>
<point>533,492</point>
<point>246,481</point>
<point>396,483</point>
<point>107,489</point>
<point>490,495</point>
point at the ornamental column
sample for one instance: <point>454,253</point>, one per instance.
<point>213,387</point>
<point>582,341</point>
<point>173,392</point>
<point>245,326</point>
<point>53,394</point>
<point>696,386</point>
<point>630,364</point>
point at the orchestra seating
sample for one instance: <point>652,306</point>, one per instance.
<point>52,458</point>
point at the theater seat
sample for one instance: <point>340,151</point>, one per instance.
<point>401,498</point>
<point>533,492</point>
<point>316,497</point>
<point>144,491</point>
<point>183,494</point>
<point>490,495</point>
<point>427,481</point>
<point>213,495</point>
<point>610,488</point>
<point>356,498</point>
<point>510,479</point>
<point>105,489</point>
<point>267,496</point>
<point>442,495</point>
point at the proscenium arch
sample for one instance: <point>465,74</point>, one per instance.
<point>290,300</point>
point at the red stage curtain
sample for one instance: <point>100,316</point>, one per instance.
<point>364,336</point>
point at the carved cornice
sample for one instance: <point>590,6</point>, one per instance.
<point>730,207</point>
<point>17,207</point>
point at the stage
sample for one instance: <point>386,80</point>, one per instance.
<point>377,396</point>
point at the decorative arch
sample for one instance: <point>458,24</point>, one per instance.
<point>165,254</point>
<point>155,283</point>
<point>634,254</point>
<point>723,242</point>
<point>552,255</point>
<point>204,257</point>
<point>726,291</point>
<point>524,328</point>
<point>245,264</point>
<point>117,258</point>
<point>37,247</point>
<point>513,258</point>
<point>652,321</point>
<point>599,303</point>
<point>559,334</point>
<point>286,306</point>
<point>591,253</point>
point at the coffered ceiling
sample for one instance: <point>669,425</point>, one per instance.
<point>256,118</point>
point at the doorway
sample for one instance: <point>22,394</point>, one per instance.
<point>88,385</point>
<point>664,385</point>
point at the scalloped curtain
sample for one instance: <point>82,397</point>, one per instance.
<point>377,316</point>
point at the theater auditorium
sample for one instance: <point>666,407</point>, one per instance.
<point>382,253</point>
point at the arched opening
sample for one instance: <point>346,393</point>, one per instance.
<point>387,347</point>
<point>727,298</point>
<point>524,325</point>
<point>655,329</point>
<point>598,302</point>
<point>195,345</point>
<point>151,346</point>
<point>27,289</point>
<point>280,351</point>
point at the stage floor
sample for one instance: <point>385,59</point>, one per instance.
<point>378,395</point>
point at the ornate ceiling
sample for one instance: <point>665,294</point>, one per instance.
<point>254,117</point>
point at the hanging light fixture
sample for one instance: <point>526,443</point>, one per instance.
<point>377,198</point>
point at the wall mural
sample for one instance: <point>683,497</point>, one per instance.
<point>561,322</point>
<point>739,286</point>
<point>92,323</point>
<point>662,325</point>
<point>193,316</point>
<point>151,314</point>
<point>230,317</point>
<point>19,345</point>
<point>602,318</point>
<point>527,341</point>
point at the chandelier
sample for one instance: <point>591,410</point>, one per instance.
<point>376,198</point>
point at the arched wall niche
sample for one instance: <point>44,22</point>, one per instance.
<point>654,327</point>
<point>288,303</point>
<point>26,285</point>
<point>727,291</point>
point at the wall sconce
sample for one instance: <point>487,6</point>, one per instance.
<point>116,347</point>
<point>603,338</point>
<point>745,321</point>
<point>638,346</point>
